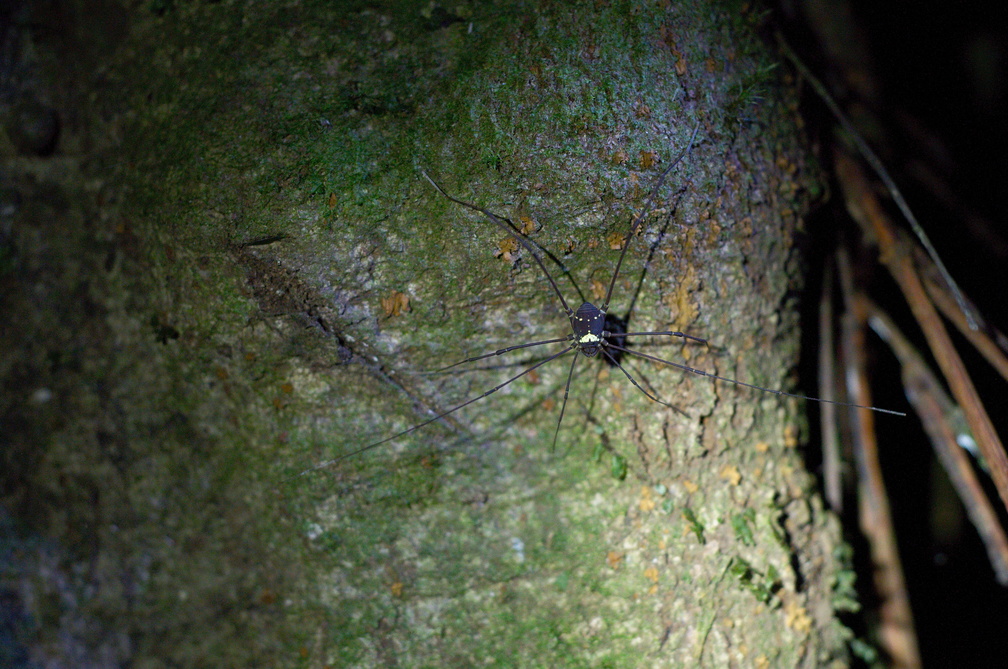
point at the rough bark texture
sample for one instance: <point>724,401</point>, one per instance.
<point>235,335</point>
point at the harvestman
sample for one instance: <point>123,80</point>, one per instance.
<point>588,334</point>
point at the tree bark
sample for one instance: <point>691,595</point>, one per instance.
<point>282,223</point>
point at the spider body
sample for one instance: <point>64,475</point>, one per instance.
<point>588,324</point>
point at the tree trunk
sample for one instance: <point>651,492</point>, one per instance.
<point>279,223</point>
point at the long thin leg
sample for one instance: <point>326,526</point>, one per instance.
<point>502,351</point>
<point>563,407</point>
<point>640,217</point>
<point>701,372</point>
<point>667,333</point>
<point>639,374</point>
<point>440,415</point>
<point>637,385</point>
<point>509,228</point>
<point>549,254</point>
<point>513,364</point>
<point>516,232</point>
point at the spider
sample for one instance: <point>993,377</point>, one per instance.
<point>594,331</point>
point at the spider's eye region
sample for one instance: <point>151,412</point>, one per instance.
<point>588,318</point>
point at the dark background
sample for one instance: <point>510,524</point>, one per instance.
<point>925,82</point>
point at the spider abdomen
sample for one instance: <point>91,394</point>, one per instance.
<point>588,323</point>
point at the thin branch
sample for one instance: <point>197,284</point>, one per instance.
<point>896,624</point>
<point>941,419</point>
<point>896,253</point>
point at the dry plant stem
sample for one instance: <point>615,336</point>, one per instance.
<point>827,390</point>
<point>896,254</point>
<point>896,628</point>
<point>934,407</point>
<point>986,339</point>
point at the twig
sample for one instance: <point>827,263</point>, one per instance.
<point>939,416</point>
<point>986,338</point>
<point>896,253</point>
<point>896,627</point>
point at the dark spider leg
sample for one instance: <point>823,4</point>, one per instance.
<point>537,400</point>
<point>701,372</point>
<point>653,248</point>
<point>563,407</point>
<point>669,334</point>
<point>549,254</point>
<point>440,415</point>
<point>516,232</point>
<point>502,351</point>
<point>525,362</point>
<point>637,385</point>
<point>509,228</point>
<point>639,374</point>
<point>520,236</point>
<point>640,217</point>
